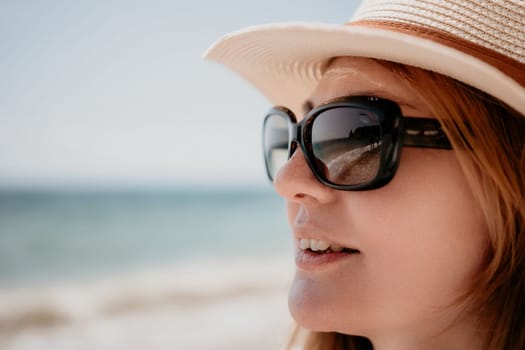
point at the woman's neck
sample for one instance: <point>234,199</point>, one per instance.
<point>462,335</point>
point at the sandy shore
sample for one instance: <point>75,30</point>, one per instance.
<point>233,305</point>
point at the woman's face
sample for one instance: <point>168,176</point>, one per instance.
<point>419,240</point>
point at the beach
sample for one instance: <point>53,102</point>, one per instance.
<point>232,305</point>
<point>182,270</point>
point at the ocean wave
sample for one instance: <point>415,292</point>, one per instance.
<point>185,285</point>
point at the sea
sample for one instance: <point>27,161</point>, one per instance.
<point>137,269</point>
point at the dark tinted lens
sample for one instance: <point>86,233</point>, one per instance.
<point>346,143</point>
<point>275,142</point>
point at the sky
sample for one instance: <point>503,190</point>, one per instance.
<point>114,93</point>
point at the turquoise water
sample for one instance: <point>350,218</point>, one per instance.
<point>56,236</point>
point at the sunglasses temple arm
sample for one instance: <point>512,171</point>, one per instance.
<point>424,132</point>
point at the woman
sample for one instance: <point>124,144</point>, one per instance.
<point>399,146</point>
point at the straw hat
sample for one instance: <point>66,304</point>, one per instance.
<point>479,42</point>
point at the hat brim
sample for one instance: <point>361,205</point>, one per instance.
<point>285,61</point>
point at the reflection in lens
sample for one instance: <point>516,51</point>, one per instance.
<point>275,142</point>
<point>347,145</point>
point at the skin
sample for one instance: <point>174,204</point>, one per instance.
<point>421,237</point>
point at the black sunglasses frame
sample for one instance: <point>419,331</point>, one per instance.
<point>397,131</point>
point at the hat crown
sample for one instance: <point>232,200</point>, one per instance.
<point>497,25</point>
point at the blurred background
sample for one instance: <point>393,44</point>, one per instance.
<point>134,208</point>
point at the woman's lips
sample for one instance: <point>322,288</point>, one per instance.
<point>307,259</point>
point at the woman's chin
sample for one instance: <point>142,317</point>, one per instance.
<point>311,306</point>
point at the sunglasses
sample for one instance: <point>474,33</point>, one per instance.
<point>351,143</point>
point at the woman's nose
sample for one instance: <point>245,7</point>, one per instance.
<point>296,182</point>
